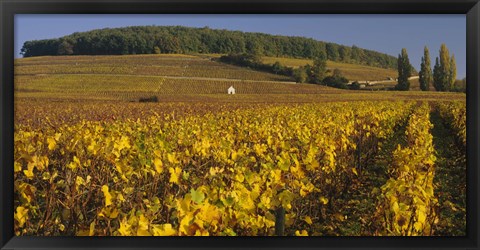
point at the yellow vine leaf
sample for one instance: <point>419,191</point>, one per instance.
<point>113,214</point>
<point>234,155</point>
<point>163,230</point>
<point>422,217</point>
<point>303,233</point>
<point>108,196</point>
<point>76,160</point>
<point>174,174</point>
<point>158,165</point>
<point>143,226</point>
<point>29,172</point>
<point>27,191</point>
<point>57,136</point>
<point>124,229</point>
<point>395,207</point>
<point>92,229</point>
<point>308,220</point>
<point>418,226</point>
<point>51,143</point>
<point>21,215</point>
<point>239,177</point>
<point>185,224</point>
<point>171,158</point>
<point>17,167</point>
<point>354,170</point>
<point>324,200</point>
<point>120,197</point>
<point>91,147</point>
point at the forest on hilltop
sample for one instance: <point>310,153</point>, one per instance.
<point>186,40</point>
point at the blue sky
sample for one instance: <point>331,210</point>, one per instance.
<point>383,33</point>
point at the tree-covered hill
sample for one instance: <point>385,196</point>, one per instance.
<point>186,40</point>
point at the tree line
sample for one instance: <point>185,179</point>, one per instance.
<point>443,76</point>
<point>185,40</point>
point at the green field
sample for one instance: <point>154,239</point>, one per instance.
<point>353,72</point>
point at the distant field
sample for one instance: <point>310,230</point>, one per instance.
<point>353,72</point>
<point>414,86</point>
<point>152,65</point>
<point>180,78</point>
<point>129,78</point>
<point>130,88</point>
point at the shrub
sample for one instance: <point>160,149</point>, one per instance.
<point>300,75</point>
<point>149,99</point>
<point>355,85</point>
<point>336,82</point>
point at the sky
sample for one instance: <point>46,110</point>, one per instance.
<point>384,33</point>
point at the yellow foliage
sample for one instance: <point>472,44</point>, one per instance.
<point>51,143</point>
<point>92,229</point>
<point>21,216</point>
<point>143,225</point>
<point>29,172</point>
<point>174,174</point>
<point>323,200</point>
<point>302,233</point>
<point>158,165</point>
<point>308,220</point>
<point>163,230</point>
<point>125,227</point>
<point>107,195</point>
<point>237,168</point>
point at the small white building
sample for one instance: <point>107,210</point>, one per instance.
<point>231,90</point>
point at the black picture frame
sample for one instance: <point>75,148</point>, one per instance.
<point>11,7</point>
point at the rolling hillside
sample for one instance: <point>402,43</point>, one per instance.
<point>186,40</point>
<point>131,77</point>
<point>135,76</point>
<point>139,65</point>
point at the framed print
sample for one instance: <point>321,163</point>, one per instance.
<point>239,124</point>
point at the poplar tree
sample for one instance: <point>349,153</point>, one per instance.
<point>425,73</point>
<point>404,71</point>
<point>452,72</point>
<point>445,71</point>
<point>437,76</point>
<point>445,68</point>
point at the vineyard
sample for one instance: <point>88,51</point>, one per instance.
<point>276,158</point>
<point>180,78</point>
<point>147,65</point>
<point>359,168</point>
<point>131,88</point>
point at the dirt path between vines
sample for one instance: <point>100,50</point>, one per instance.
<point>450,180</point>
